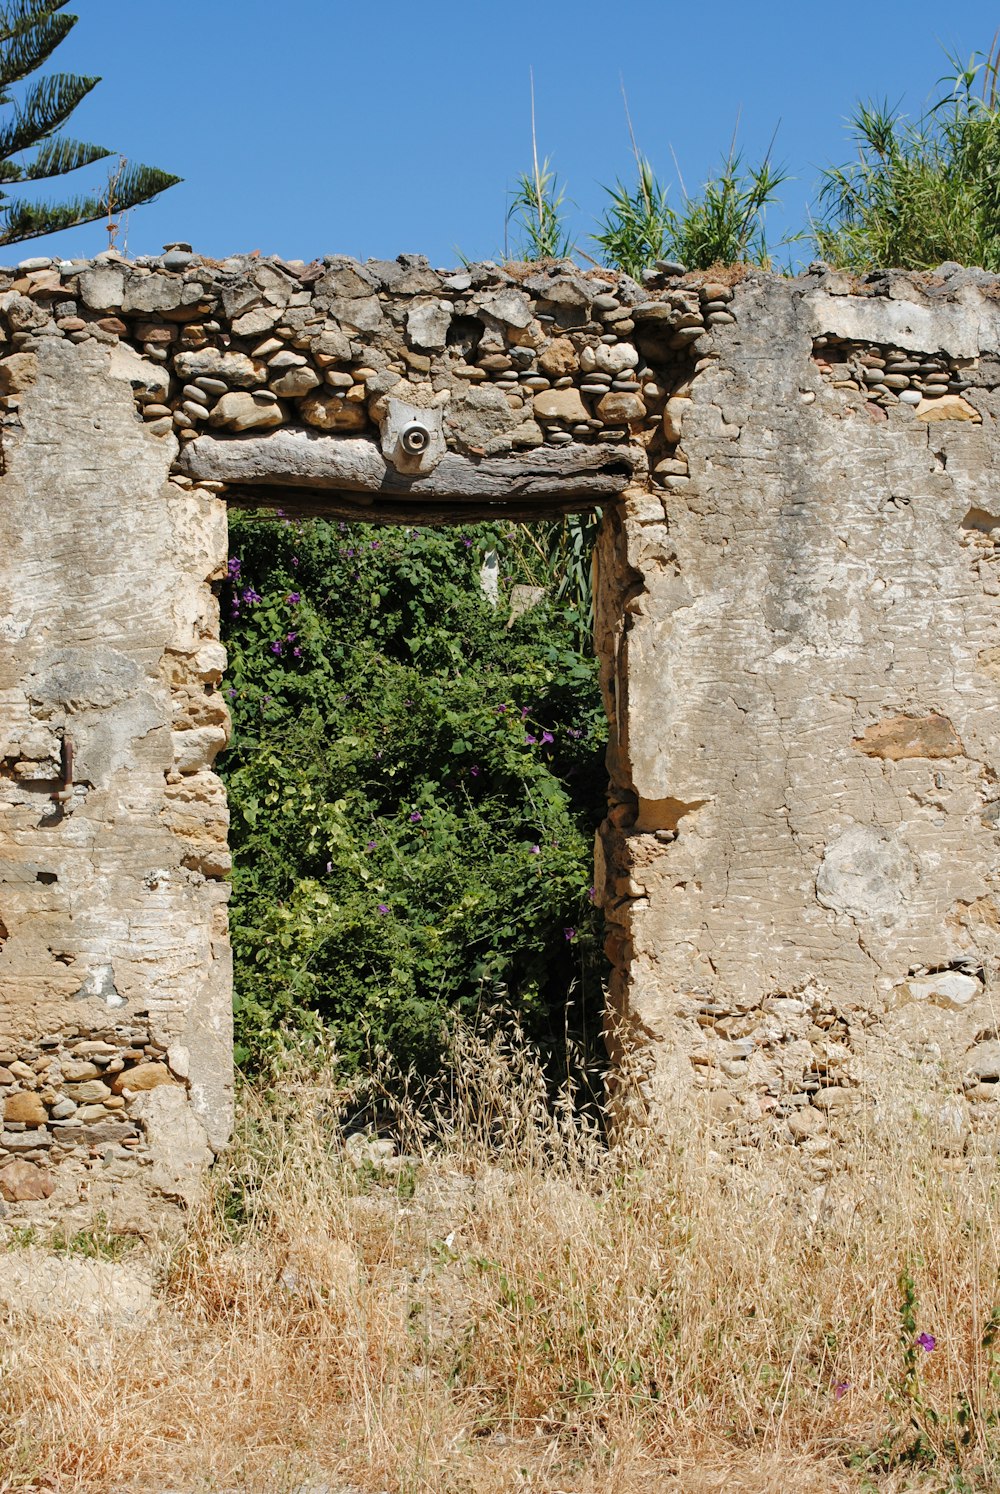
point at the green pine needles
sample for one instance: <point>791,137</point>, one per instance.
<point>31,149</point>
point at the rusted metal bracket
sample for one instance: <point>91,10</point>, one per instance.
<point>66,792</point>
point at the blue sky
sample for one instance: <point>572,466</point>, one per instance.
<point>324,126</point>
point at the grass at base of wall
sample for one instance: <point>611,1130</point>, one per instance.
<point>507,1304</point>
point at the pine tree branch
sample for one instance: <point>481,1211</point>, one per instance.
<point>30,30</point>
<point>30,220</point>
<point>18,16</point>
<point>25,52</point>
<point>45,106</point>
<point>56,157</point>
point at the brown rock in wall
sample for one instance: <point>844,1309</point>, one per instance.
<point>23,1182</point>
<point>26,1108</point>
<point>898,737</point>
<point>144,1076</point>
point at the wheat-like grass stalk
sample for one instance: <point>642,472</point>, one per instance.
<point>515,1295</point>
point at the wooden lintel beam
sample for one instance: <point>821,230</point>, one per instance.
<point>305,503</point>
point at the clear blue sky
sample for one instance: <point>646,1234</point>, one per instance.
<point>326,126</point>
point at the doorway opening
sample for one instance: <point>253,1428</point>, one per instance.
<point>415,778</point>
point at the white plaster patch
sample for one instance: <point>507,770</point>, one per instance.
<point>866,874</point>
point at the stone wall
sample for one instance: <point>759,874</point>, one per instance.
<point>796,624</point>
<point>802,860</point>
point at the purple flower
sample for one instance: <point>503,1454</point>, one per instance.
<point>371,845</point>
<point>474,770</point>
<point>295,560</point>
<point>290,637</point>
<point>927,1342</point>
<point>416,817</point>
<point>535,851</point>
<point>524,713</point>
<point>547,737</point>
<point>252,596</point>
<point>569,935</point>
<point>297,652</point>
<point>280,512</point>
<point>234,567</point>
<point>383,908</point>
<point>529,740</point>
<point>329,866</point>
<point>276,646</point>
<point>293,598</point>
<point>231,693</point>
<point>466,542</point>
<point>841,1389</point>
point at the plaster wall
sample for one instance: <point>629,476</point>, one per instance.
<point>115,1025</point>
<point>802,881</point>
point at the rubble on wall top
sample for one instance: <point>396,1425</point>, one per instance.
<point>492,362</point>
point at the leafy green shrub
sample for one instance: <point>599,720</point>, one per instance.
<point>536,210</point>
<point>415,780</point>
<point>920,191</point>
<point>724,225</point>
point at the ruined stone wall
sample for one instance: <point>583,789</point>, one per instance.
<point>803,859</point>
<point>796,624</point>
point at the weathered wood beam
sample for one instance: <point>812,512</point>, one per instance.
<point>310,461</point>
<point>311,503</point>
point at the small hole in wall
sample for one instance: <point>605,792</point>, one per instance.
<point>465,333</point>
<point>46,878</point>
<point>980,521</point>
<point>3,931</point>
<point>960,967</point>
<point>62,956</point>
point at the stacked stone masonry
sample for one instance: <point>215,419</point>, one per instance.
<point>796,621</point>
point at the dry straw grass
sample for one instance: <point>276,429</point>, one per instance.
<point>520,1308</point>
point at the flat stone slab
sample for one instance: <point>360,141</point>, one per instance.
<point>35,1283</point>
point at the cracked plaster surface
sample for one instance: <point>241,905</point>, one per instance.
<point>804,717</point>
<point>110,898</point>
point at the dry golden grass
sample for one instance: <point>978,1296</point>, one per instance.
<point>521,1309</point>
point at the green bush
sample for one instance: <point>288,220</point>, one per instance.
<point>920,191</point>
<point>414,781</point>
